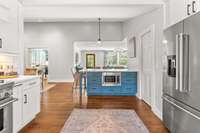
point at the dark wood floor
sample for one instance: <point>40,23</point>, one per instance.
<point>58,103</point>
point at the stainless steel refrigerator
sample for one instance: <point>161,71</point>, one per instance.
<point>181,76</point>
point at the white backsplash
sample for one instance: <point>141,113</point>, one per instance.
<point>9,60</point>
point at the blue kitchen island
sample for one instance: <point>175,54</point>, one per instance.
<point>110,82</point>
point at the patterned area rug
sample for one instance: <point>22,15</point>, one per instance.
<point>104,121</point>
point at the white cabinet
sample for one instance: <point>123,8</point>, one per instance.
<point>10,26</point>
<point>28,104</point>
<point>177,10</point>
<point>193,7</point>
<point>4,12</point>
<point>31,101</point>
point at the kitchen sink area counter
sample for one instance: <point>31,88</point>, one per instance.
<point>110,82</point>
<point>20,79</point>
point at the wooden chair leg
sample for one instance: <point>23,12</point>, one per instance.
<point>73,85</point>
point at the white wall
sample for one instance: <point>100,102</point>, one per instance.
<point>58,38</point>
<point>134,27</point>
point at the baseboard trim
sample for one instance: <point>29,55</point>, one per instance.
<point>157,112</point>
<point>60,81</point>
<point>138,96</point>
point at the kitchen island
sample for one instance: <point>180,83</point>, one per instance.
<point>110,82</point>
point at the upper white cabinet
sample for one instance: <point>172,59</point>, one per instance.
<point>4,12</point>
<point>10,22</point>
<point>193,6</point>
<point>177,10</point>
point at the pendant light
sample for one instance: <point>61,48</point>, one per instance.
<point>99,39</point>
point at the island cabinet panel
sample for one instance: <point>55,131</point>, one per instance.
<point>128,86</point>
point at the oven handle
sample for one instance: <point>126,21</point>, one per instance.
<point>7,103</point>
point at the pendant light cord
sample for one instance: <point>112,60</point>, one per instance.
<point>99,29</point>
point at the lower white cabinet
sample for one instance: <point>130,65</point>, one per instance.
<point>28,104</point>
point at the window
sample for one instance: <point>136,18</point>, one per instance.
<point>110,58</point>
<point>90,60</point>
<point>116,58</point>
<point>123,58</point>
<point>38,57</point>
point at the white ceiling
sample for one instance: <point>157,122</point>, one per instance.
<point>86,10</point>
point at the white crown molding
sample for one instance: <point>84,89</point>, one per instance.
<point>90,2</point>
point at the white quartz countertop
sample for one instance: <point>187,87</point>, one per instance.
<point>19,79</point>
<point>107,70</point>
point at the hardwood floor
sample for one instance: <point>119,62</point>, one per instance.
<point>47,86</point>
<point>58,103</point>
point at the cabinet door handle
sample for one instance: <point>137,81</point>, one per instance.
<point>193,6</point>
<point>18,85</point>
<point>32,83</point>
<point>25,99</point>
<point>188,9</point>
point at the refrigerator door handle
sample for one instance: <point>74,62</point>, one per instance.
<point>177,62</point>
<point>181,65</point>
<point>184,63</point>
<point>186,87</point>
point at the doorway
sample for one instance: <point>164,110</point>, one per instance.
<point>147,65</point>
<point>37,63</point>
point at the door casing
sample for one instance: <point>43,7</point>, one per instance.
<point>152,99</point>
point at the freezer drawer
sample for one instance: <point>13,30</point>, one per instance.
<point>180,118</point>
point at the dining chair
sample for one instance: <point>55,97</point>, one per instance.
<point>76,76</point>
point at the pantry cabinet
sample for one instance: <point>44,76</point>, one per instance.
<point>28,104</point>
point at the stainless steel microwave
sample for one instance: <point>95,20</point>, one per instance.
<point>111,79</point>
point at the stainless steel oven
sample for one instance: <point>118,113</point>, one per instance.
<point>6,115</point>
<point>111,79</point>
<point>6,101</point>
